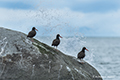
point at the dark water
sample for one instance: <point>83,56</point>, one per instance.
<point>104,53</point>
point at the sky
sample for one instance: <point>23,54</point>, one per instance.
<point>92,18</point>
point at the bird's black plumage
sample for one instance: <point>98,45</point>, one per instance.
<point>81,54</point>
<point>32,33</point>
<point>56,41</point>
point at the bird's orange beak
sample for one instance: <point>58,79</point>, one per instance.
<point>36,29</point>
<point>60,36</point>
<point>87,49</point>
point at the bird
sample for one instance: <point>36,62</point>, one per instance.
<point>81,54</point>
<point>32,33</point>
<point>56,41</point>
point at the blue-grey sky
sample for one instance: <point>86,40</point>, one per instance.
<point>66,17</point>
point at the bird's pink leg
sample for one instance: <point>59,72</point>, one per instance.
<point>32,40</point>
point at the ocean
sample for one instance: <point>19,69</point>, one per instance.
<point>103,54</point>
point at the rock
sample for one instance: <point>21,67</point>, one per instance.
<point>22,60</point>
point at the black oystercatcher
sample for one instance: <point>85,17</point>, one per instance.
<point>56,41</point>
<point>81,54</point>
<point>32,33</point>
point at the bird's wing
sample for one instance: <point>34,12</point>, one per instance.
<point>55,42</point>
<point>31,34</point>
<point>79,54</point>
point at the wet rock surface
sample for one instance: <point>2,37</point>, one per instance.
<point>20,59</point>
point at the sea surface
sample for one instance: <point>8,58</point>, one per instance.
<point>104,52</point>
